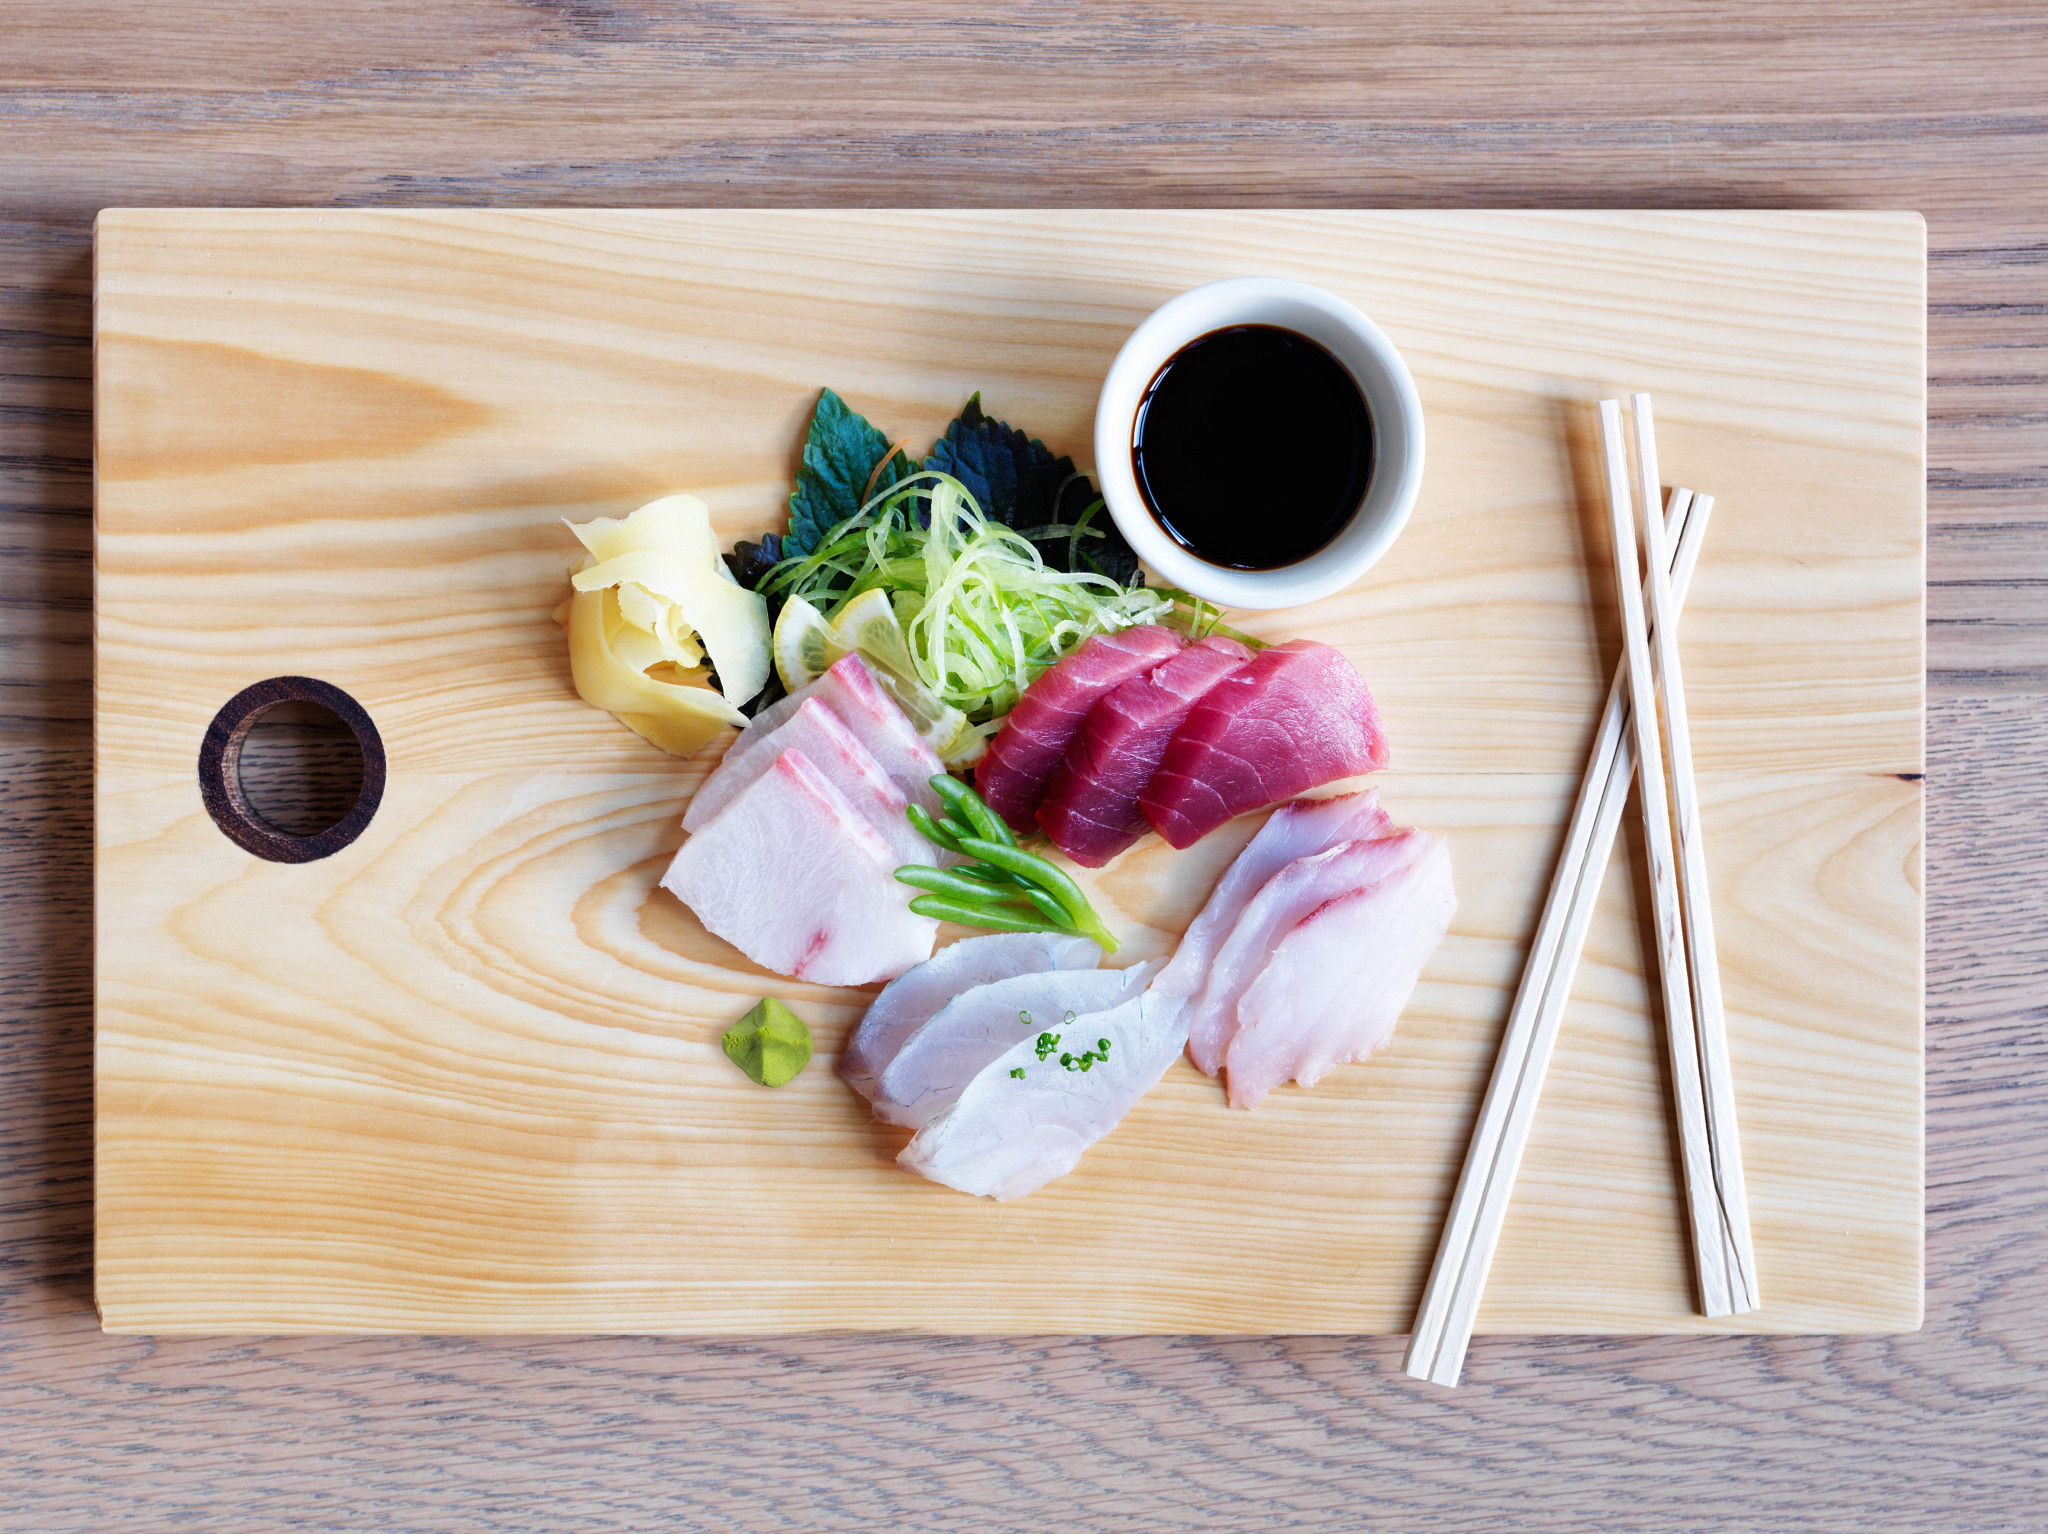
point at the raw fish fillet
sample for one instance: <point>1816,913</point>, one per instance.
<point>1005,1137</point>
<point>1297,830</point>
<point>1282,902</point>
<point>935,1064</point>
<point>1038,731</point>
<point>794,877</point>
<point>1090,809</point>
<point>1334,988</point>
<point>850,690</point>
<point>817,731</point>
<point>911,998</point>
<point>1295,717</point>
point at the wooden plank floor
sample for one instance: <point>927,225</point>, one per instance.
<point>1883,104</point>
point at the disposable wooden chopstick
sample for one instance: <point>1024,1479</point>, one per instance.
<point>1727,1262</point>
<point>1713,1255</point>
<point>1450,1304</point>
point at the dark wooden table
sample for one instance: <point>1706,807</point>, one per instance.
<point>1939,105</point>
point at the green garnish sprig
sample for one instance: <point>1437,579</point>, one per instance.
<point>1003,887</point>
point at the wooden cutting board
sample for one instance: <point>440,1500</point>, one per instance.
<point>464,1074</point>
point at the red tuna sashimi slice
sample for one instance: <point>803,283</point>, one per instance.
<point>1090,809</point>
<point>1295,717</point>
<point>1038,731</point>
<point>794,877</point>
<point>1334,988</point>
<point>852,693</point>
<point>1285,900</point>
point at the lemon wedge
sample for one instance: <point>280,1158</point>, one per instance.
<point>805,644</point>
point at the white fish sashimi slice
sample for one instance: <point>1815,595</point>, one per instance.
<point>850,690</point>
<point>935,1064</point>
<point>1299,829</point>
<point>816,730</point>
<point>911,999</point>
<point>1268,916</point>
<point>794,877</point>
<point>1006,1137</point>
<point>1334,988</point>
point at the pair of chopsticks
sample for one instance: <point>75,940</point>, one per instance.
<point>1717,1203</point>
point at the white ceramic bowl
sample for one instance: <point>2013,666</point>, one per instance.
<point>1355,341</point>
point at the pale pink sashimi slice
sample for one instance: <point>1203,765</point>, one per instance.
<point>816,730</point>
<point>1008,1135</point>
<point>909,1001</point>
<point>1283,901</point>
<point>1297,830</point>
<point>1334,988</point>
<point>850,690</point>
<point>1037,732</point>
<point>936,1063</point>
<point>1090,809</point>
<point>1297,716</point>
<point>796,878</point>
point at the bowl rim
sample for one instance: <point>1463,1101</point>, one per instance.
<point>1362,348</point>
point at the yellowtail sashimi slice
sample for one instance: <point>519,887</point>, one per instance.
<point>1284,900</point>
<point>849,689</point>
<point>1009,1135</point>
<point>912,998</point>
<point>795,877</point>
<point>1297,830</point>
<point>1335,987</point>
<point>936,1063</point>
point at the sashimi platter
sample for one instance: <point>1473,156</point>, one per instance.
<point>1219,827</point>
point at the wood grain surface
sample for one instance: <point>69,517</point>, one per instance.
<point>1933,106</point>
<point>465,1074</point>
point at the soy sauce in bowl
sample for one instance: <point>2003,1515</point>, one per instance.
<point>1252,447</point>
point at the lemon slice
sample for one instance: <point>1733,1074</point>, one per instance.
<point>869,624</point>
<point>804,645</point>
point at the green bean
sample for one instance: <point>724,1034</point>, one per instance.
<point>1037,871</point>
<point>1053,910</point>
<point>949,883</point>
<point>931,830</point>
<point>992,878</point>
<point>938,908</point>
<point>966,804</point>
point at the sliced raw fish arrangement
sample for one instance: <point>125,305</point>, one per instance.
<point>1296,717</point>
<point>797,879</point>
<point>934,1065</point>
<point>909,1000</point>
<point>1310,945</point>
<point>1090,809</point>
<point>1280,905</point>
<point>1297,830</point>
<point>858,702</point>
<point>1024,1120</point>
<point>816,730</point>
<point>1037,732</point>
<point>1335,986</point>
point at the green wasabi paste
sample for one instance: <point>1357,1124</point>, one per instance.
<point>771,1043</point>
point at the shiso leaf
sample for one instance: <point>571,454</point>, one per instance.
<point>771,1043</point>
<point>838,473</point>
<point>1018,482</point>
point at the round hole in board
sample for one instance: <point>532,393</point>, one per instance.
<point>291,769</point>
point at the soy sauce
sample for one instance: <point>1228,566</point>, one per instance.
<point>1253,447</point>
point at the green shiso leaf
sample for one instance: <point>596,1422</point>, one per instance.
<point>771,1043</point>
<point>841,453</point>
<point>1017,482</point>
